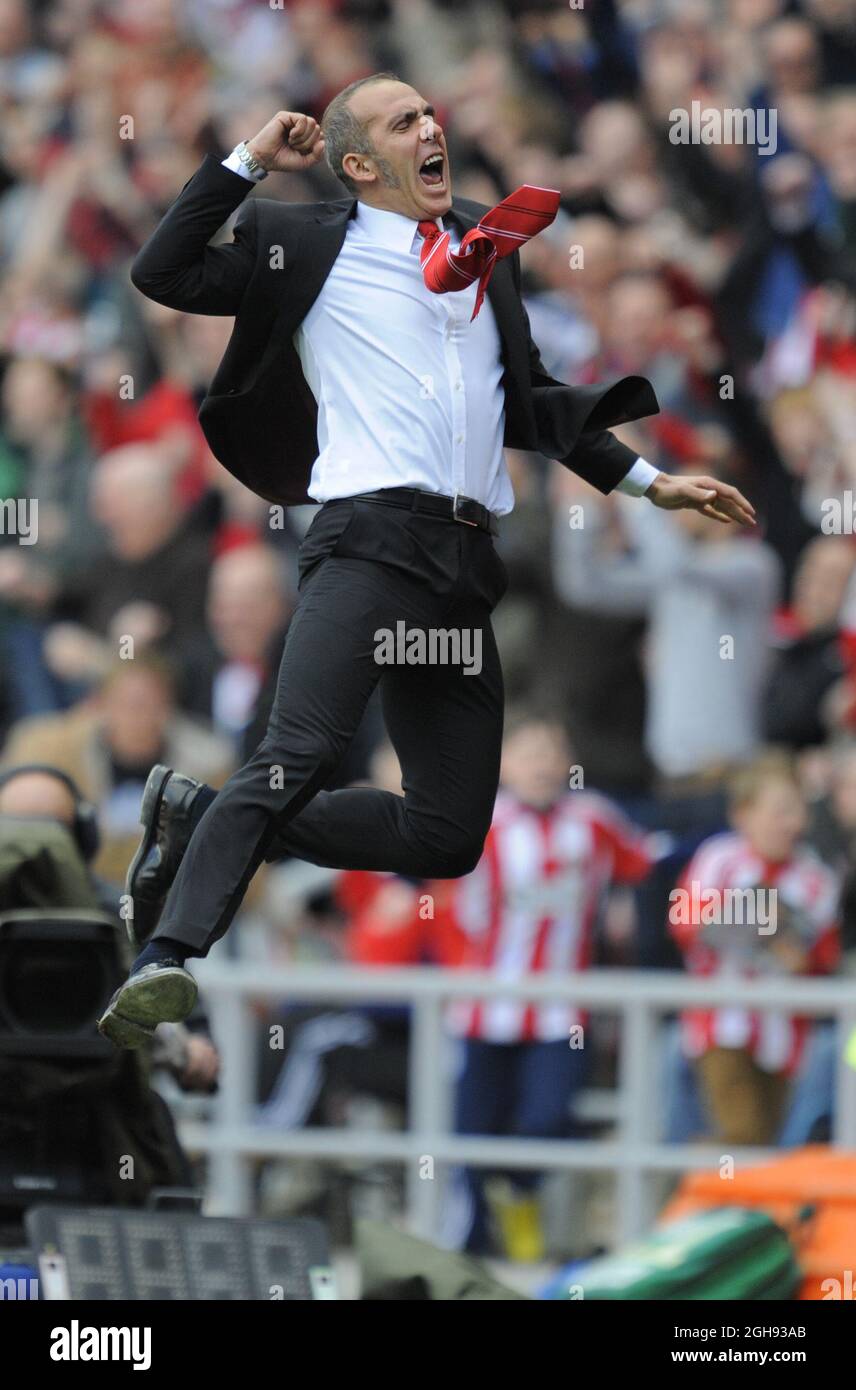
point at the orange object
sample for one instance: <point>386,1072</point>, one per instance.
<point>816,1176</point>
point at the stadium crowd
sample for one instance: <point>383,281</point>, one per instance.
<point>682,696</point>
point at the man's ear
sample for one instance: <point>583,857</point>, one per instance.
<point>359,168</point>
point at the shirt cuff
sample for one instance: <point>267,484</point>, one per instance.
<point>233,162</point>
<point>637,481</point>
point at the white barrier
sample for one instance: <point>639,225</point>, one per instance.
<point>233,1142</point>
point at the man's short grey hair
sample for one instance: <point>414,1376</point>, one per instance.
<point>343,133</point>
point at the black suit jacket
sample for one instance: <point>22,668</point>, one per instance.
<point>259,415</point>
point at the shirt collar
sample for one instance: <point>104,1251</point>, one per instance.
<point>387,228</point>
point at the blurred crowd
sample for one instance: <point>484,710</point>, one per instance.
<point>145,622</point>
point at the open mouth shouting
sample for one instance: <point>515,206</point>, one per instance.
<point>432,171</point>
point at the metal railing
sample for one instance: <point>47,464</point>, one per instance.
<point>234,1143</point>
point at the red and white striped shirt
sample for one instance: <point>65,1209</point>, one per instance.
<point>530,905</point>
<point>807,890</point>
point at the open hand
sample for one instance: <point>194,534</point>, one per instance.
<point>288,143</point>
<point>719,501</point>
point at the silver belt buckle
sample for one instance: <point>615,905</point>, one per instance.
<point>455,501</point>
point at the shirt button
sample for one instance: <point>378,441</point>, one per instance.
<point>459,439</point>
<point>459,386</point>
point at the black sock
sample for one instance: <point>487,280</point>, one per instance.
<point>161,949</point>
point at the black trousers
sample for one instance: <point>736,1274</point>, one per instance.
<point>364,568</point>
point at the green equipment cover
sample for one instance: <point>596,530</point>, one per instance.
<point>728,1253</point>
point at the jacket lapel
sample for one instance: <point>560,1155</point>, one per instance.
<point>321,238</point>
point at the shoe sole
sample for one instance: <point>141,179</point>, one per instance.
<point>168,997</point>
<point>149,809</point>
<point>122,1032</point>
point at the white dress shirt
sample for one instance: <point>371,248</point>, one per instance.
<point>409,390</point>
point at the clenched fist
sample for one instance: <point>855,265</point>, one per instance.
<point>289,142</point>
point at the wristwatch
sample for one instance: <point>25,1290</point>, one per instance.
<point>249,160</point>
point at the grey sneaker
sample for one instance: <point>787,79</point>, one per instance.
<point>163,992</point>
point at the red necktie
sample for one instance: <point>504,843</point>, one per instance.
<point>523,214</point>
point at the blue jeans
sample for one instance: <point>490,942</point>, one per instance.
<point>684,1115</point>
<point>520,1090</point>
<point>813,1096</point>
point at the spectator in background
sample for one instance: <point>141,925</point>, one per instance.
<point>837,152</point>
<point>567,311</point>
<point>43,437</point>
<point>530,905</point>
<point>230,667</point>
<point>164,414</point>
<point>832,832</point>
<point>150,584</point>
<point>45,460</point>
<point>806,676</point>
<point>709,602</point>
<point>788,926</point>
<point>636,329</point>
<point>46,842</point>
<point>110,743</point>
<point>27,72</point>
<point>791,57</point>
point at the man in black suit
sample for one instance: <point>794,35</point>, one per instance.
<point>350,383</point>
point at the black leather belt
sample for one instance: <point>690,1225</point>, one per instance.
<point>457,508</point>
